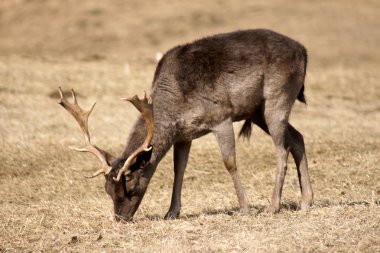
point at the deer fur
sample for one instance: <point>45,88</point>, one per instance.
<point>203,87</point>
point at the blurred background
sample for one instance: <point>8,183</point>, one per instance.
<point>106,49</point>
<point>342,32</point>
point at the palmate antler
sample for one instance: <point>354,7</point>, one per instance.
<point>146,108</point>
<point>81,116</point>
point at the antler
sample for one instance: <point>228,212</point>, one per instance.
<point>81,116</point>
<point>145,106</point>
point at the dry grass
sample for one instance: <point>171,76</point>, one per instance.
<point>46,204</point>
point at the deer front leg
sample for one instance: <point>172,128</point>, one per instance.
<point>224,134</point>
<point>181,155</point>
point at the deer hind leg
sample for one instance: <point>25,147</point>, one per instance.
<point>276,120</point>
<point>297,148</point>
<point>181,155</point>
<point>224,134</point>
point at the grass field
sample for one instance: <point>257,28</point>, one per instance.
<point>106,50</point>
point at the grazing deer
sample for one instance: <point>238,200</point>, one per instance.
<point>203,87</point>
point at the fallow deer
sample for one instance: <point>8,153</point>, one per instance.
<point>203,87</point>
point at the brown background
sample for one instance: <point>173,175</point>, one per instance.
<point>106,50</point>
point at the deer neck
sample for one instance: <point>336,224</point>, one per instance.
<point>162,140</point>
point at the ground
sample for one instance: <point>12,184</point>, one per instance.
<point>106,50</point>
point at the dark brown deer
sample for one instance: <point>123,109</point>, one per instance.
<point>203,87</point>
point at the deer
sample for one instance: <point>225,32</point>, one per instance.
<point>203,87</point>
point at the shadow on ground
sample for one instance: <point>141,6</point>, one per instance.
<point>258,209</point>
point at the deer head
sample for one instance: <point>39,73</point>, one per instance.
<point>123,177</point>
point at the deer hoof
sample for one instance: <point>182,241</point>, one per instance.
<point>171,215</point>
<point>274,210</point>
<point>305,205</point>
<point>244,211</point>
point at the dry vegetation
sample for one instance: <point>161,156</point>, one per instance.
<point>105,50</point>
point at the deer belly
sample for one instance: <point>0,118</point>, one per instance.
<point>200,120</point>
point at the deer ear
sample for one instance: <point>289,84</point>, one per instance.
<point>142,159</point>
